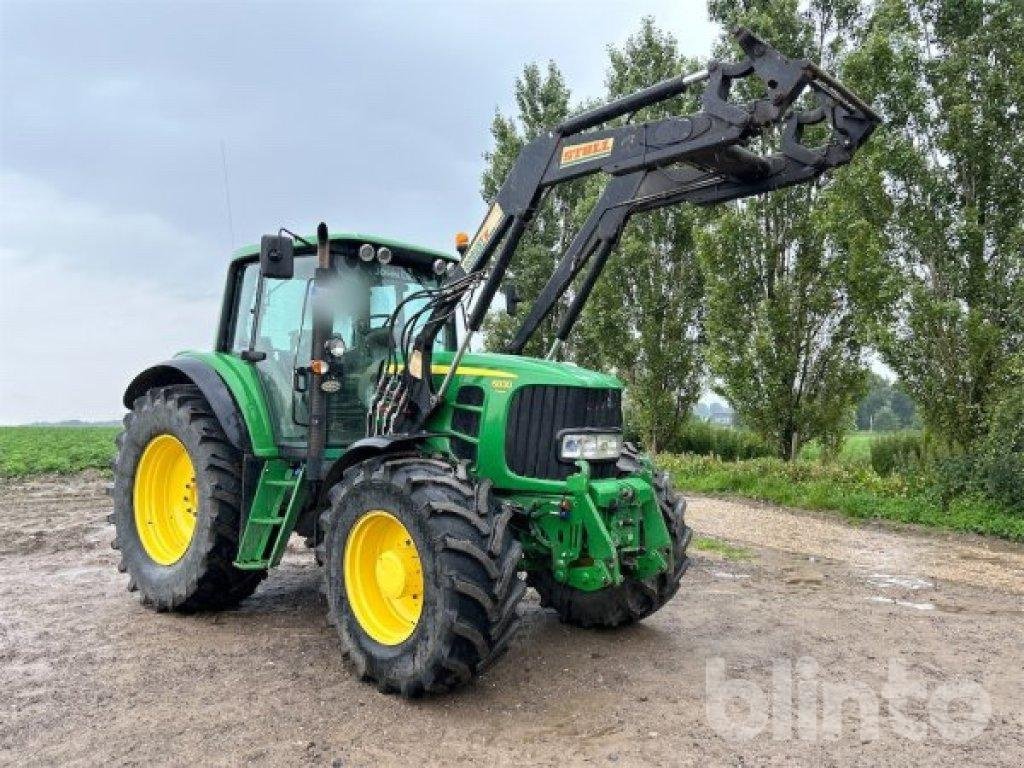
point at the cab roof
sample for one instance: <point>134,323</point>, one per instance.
<point>249,251</point>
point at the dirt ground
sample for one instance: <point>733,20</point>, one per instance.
<point>90,677</point>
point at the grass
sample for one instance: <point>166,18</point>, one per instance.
<point>856,449</point>
<point>35,450</point>
<point>723,548</point>
<point>848,486</point>
<point>855,491</point>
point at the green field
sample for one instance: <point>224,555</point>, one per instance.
<point>34,450</point>
<point>848,486</point>
<point>856,449</point>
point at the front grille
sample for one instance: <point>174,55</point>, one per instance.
<point>538,413</point>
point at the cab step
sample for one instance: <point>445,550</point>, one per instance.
<point>275,508</point>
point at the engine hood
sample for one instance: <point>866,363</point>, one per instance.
<point>524,370</point>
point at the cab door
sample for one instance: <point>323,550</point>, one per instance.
<point>278,335</point>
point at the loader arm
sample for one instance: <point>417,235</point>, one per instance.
<point>700,158</point>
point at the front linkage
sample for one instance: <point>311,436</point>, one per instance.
<point>598,532</point>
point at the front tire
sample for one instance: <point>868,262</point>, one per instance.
<point>632,600</point>
<point>177,499</point>
<point>420,572</point>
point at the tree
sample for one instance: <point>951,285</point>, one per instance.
<point>887,395</point>
<point>949,78</point>
<point>878,395</point>
<point>885,420</point>
<point>644,318</point>
<point>642,321</point>
<point>542,100</point>
<point>797,281</point>
<point>903,406</point>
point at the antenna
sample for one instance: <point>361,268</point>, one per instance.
<point>227,192</point>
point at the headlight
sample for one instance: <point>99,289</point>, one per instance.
<point>592,446</point>
<point>335,346</point>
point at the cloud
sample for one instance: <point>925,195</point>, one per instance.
<point>372,116</point>
<point>74,329</point>
<point>42,225</point>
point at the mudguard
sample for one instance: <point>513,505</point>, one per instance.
<point>363,449</point>
<point>369,447</point>
<point>186,370</point>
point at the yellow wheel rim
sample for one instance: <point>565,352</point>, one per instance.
<point>165,499</point>
<point>383,577</point>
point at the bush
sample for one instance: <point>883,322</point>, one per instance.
<point>1002,457</point>
<point>994,468</point>
<point>727,443</point>
<point>901,452</point>
<point>855,491</point>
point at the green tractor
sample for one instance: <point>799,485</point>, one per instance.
<point>342,403</point>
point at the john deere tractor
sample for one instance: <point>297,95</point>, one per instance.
<point>341,402</point>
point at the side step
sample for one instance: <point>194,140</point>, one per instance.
<point>275,508</point>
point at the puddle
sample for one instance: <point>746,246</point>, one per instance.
<point>803,576</point>
<point>901,582</point>
<point>901,603</point>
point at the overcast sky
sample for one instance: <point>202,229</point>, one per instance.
<point>373,116</point>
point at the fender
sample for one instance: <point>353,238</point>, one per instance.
<point>367,448</point>
<point>186,370</point>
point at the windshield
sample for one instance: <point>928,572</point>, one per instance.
<point>364,297</point>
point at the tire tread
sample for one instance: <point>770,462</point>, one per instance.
<point>478,558</point>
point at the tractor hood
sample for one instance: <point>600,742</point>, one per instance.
<point>524,370</point>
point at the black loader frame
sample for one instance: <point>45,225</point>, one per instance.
<point>699,158</point>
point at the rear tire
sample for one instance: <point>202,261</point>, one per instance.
<point>466,554</point>
<point>204,578</point>
<point>632,600</point>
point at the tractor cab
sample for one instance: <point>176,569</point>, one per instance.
<point>267,319</point>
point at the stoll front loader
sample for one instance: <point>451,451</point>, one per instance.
<point>436,484</point>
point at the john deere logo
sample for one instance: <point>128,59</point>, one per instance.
<point>588,150</point>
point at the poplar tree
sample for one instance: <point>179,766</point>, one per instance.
<point>949,77</point>
<point>797,280</point>
<point>644,319</point>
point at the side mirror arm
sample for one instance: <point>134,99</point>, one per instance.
<point>253,355</point>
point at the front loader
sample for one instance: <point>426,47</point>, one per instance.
<point>341,403</point>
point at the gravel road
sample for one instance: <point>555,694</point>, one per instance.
<point>741,669</point>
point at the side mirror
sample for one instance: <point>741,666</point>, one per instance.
<point>277,257</point>
<point>512,297</point>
